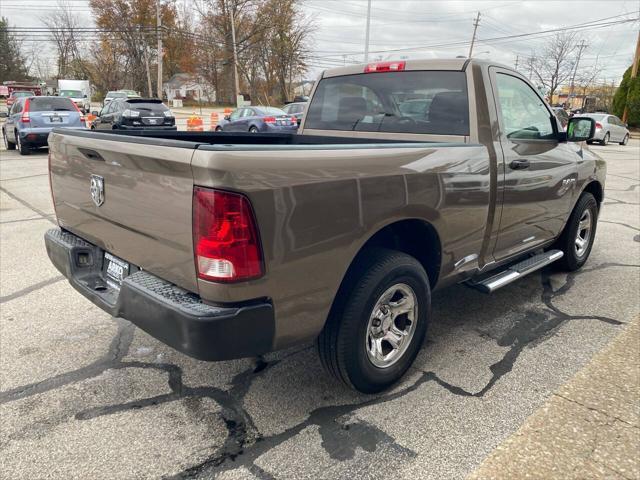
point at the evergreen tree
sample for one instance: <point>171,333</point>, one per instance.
<point>628,93</point>
<point>12,64</point>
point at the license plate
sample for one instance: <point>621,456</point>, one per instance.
<point>153,121</point>
<point>116,269</point>
<point>56,119</point>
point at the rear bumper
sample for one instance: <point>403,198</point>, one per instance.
<point>280,128</point>
<point>167,312</point>
<point>38,137</point>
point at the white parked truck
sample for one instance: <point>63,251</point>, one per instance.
<point>77,90</point>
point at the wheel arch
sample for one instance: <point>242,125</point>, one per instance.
<point>595,188</point>
<point>413,236</point>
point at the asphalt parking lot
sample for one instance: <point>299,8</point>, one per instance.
<point>84,395</point>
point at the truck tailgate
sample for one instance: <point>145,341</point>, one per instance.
<point>145,216</point>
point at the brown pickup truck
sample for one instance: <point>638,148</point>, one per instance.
<point>404,177</point>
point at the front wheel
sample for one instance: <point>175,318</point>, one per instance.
<point>378,322</point>
<point>605,140</point>
<point>625,140</point>
<point>579,233</point>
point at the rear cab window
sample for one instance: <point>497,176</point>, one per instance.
<point>417,102</point>
<point>51,104</point>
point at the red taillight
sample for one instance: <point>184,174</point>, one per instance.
<point>269,119</point>
<point>598,125</point>
<point>25,112</point>
<point>384,67</point>
<point>225,236</point>
<point>294,119</point>
<point>82,119</point>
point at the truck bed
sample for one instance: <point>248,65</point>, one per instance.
<point>149,177</point>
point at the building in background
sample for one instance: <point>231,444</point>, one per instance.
<point>184,86</point>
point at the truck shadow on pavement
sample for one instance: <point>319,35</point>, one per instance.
<point>532,316</point>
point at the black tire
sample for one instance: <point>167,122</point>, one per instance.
<point>253,129</point>
<point>625,140</point>
<point>22,148</point>
<point>572,259</point>
<point>218,128</point>
<point>342,342</point>
<point>605,140</point>
<point>7,144</point>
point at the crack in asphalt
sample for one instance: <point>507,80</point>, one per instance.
<point>340,439</point>
<point>32,288</point>
<point>341,436</point>
<point>44,215</point>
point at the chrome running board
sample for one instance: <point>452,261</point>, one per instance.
<point>516,271</point>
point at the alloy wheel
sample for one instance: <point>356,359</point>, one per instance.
<point>583,235</point>
<point>391,326</point>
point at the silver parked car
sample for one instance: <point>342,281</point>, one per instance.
<point>609,128</point>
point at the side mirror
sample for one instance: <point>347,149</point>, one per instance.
<point>580,129</point>
<point>94,113</point>
<point>227,117</point>
<point>4,114</point>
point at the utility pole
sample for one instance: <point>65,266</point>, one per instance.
<point>475,29</point>
<point>581,47</point>
<point>532,61</point>
<point>160,53</point>
<point>634,74</point>
<point>517,58</point>
<point>366,37</point>
<point>235,55</point>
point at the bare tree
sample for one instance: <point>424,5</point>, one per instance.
<point>586,78</point>
<point>63,25</point>
<point>553,66</point>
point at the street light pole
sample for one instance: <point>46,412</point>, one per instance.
<point>235,55</point>
<point>160,54</point>
<point>366,38</point>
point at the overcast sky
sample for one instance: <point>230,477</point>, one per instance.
<point>426,28</point>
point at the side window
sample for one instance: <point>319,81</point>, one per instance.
<point>17,107</point>
<point>248,112</point>
<point>235,115</point>
<point>524,115</point>
<point>615,121</point>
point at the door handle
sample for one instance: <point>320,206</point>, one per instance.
<point>91,154</point>
<point>519,164</point>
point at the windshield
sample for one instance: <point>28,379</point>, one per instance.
<point>595,117</point>
<point>147,108</point>
<point>422,102</point>
<point>51,104</point>
<point>116,95</point>
<point>270,111</point>
<point>71,93</point>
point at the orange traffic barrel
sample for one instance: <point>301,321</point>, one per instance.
<point>227,111</point>
<point>89,118</point>
<point>195,124</point>
<point>214,120</point>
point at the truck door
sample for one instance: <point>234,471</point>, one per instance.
<point>539,176</point>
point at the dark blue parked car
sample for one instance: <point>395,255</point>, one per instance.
<point>31,119</point>
<point>258,119</point>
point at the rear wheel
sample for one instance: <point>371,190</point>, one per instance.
<point>24,150</point>
<point>577,239</point>
<point>7,144</point>
<point>605,140</point>
<point>625,140</point>
<point>378,322</point>
<point>253,130</point>
<point>218,128</point>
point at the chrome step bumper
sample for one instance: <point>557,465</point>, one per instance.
<point>517,270</point>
